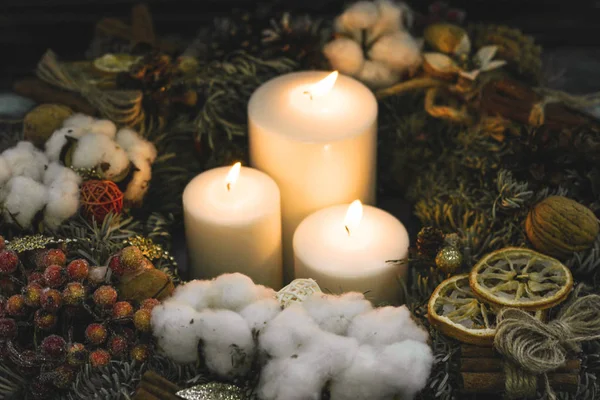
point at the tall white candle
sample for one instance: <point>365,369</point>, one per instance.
<point>317,137</point>
<point>233,224</point>
<point>348,248</point>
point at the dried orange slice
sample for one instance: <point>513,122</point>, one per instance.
<point>115,63</point>
<point>521,278</point>
<point>457,312</point>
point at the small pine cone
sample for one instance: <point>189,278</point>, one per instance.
<point>429,241</point>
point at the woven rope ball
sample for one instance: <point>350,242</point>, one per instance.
<point>297,291</point>
<point>99,198</point>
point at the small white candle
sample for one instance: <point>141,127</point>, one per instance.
<point>315,134</point>
<point>347,248</point>
<point>233,224</point>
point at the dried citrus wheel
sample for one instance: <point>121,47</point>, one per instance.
<point>521,278</point>
<point>115,63</point>
<point>457,312</point>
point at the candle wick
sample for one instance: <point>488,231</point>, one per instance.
<point>347,229</point>
<point>309,94</point>
<point>228,186</point>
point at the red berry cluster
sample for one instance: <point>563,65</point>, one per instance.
<point>56,315</point>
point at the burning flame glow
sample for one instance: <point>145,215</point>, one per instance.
<point>233,175</point>
<point>353,216</point>
<point>324,86</point>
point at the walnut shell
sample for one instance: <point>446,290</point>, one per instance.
<point>42,121</point>
<point>144,284</point>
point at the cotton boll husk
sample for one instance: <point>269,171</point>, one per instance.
<point>63,202</point>
<point>386,325</point>
<point>79,121</point>
<point>334,313</point>
<point>57,172</point>
<point>195,294</point>
<point>377,75</point>
<point>344,55</point>
<point>259,313</point>
<point>233,291</point>
<point>94,149</point>
<point>103,127</point>
<point>135,145</point>
<point>400,51</point>
<point>5,172</point>
<point>390,19</point>
<point>58,140</point>
<point>23,199</point>
<point>360,15</point>
<point>25,160</point>
<point>174,326</point>
<point>140,183</point>
<point>288,332</point>
<point>227,342</point>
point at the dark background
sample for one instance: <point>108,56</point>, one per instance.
<point>568,30</point>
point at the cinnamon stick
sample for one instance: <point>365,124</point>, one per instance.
<point>490,382</point>
<point>155,379</point>
<point>142,394</point>
<point>119,29</point>
<point>41,92</point>
<point>162,394</point>
<point>142,28</point>
<point>468,351</point>
<point>482,364</point>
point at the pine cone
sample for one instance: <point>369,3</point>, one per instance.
<point>429,242</point>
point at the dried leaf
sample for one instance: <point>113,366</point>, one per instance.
<point>440,62</point>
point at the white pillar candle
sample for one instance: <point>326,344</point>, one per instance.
<point>234,225</point>
<point>316,137</point>
<point>349,248</point>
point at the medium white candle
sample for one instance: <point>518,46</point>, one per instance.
<point>348,248</point>
<point>233,224</point>
<point>316,136</point>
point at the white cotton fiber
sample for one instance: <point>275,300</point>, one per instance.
<point>55,144</point>
<point>360,15</point>
<point>289,332</point>
<point>79,121</point>
<point>400,51</point>
<point>135,145</point>
<point>377,75</point>
<point>386,325</point>
<point>334,313</point>
<point>5,172</point>
<point>233,291</point>
<point>25,160</point>
<point>344,55</point>
<point>96,150</point>
<point>259,313</point>
<point>194,293</point>
<point>56,172</point>
<point>62,203</point>
<point>407,366</point>
<point>227,342</point>
<point>174,325</point>
<point>389,20</point>
<point>263,292</point>
<point>103,127</point>
<point>140,182</point>
<point>23,199</point>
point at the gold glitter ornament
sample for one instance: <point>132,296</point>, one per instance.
<point>34,242</point>
<point>149,249</point>
<point>449,259</point>
<point>212,391</point>
<point>297,291</point>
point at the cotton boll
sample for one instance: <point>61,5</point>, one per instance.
<point>140,183</point>
<point>95,150</point>
<point>56,172</point>
<point>407,366</point>
<point>386,325</point>
<point>79,121</point>
<point>360,15</point>
<point>23,199</point>
<point>103,127</point>
<point>334,313</point>
<point>227,342</point>
<point>400,51</point>
<point>377,75</point>
<point>263,292</point>
<point>63,202</point>
<point>288,333</point>
<point>5,172</point>
<point>233,291</point>
<point>259,313</point>
<point>25,160</point>
<point>389,19</point>
<point>174,325</point>
<point>344,55</point>
<point>135,145</point>
<point>195,294</point>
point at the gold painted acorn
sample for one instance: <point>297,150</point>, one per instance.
<point>559,226</point>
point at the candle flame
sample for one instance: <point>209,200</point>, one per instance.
<point>353,216</point>
<point>324,86</point>
<point>233,175</point>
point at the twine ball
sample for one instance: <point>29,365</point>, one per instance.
<point>297,291</point>
<point>99,198</point>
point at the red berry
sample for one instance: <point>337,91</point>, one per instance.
<point>63,376</point>
<point>54,346</point>
<point>105,296</point>
<point>142,319</point>
<point>8,328</point>
<point>51,300</point>
<point>122,309</point>
<point>2,243</point>
<point>132,259</point>
<point>96,334</point>
<point>77,354</point>
<point>149,304</point>
<point>7,286</point>
<point>44,320</point>
<point>32,294</point>
<point>73,294</point>
<point>140,353</point>
<point>54,275</point>
<point>54,257</point>
<point>78,270</point>
<point>99,358</point>
<point>16,305</point>
<point>9,261</point>
<point>117,346</point>
<point>115,265</point>
<point>36,277</point>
